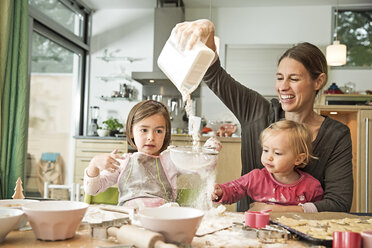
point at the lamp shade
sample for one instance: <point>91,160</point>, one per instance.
<point>336,54</point>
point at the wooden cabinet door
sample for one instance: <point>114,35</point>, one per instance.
<point>365,158</point>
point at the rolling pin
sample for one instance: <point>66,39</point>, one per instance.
<point>141,238</point>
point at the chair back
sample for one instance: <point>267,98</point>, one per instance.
<point>109,196</point>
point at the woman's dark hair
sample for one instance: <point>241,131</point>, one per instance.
<point>310,56</point>
<point>146,109</point>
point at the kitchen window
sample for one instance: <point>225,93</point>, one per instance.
<point>59,51</point>
<point>354,29</point>
<point>66,13</point>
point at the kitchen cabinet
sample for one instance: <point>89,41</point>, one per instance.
<point>87,147</point>
<point>359,119</point>
<point>365,158</point>
<point>229,163</point>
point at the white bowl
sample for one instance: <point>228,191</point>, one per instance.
<point>17,204</point>
<point>188,158</point>
<point>55,220</point>
<point>103,132</point>
<point>9,218</point>
<point>176,224</point>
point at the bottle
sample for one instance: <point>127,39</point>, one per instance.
<point>185,68</point>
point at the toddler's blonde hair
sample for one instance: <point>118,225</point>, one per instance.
<point>299,135</point>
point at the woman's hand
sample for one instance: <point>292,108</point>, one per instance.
<point>217,193</point>
<point>189,32</point>
<point>213,143</point>
<point>106,161</point>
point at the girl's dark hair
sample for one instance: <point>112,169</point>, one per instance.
<point>310,56</point>
<point>146,109</point>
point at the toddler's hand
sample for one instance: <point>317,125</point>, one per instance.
<point>217,193</point>
<point>213,143</point>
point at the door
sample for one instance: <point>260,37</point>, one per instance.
<point>54,70</point>
<point>365,158</point>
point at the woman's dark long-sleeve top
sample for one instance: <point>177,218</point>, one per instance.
<point>332,146</point>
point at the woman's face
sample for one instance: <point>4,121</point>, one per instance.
<point>295,88</point>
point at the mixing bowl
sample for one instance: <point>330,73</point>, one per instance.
<point>189,158</point>
<point>176,224</point>
<point>17,204</point>
<point>55,220</point>
<point>9,218</point>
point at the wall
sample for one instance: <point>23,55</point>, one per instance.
<point>131,31</point>
<point>122,33</point>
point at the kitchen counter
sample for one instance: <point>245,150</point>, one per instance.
<point>100,138</point>
<point>176,137</point>
<point>188,138</point>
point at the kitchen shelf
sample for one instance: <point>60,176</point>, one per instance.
<point>113,58</point>
<point>343,99</point>
<point>116,77</point>
<point>112,99</point>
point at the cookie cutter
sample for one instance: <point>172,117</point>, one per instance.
<point>271,234</point>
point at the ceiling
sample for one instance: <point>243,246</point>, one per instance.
<point>127,4</point>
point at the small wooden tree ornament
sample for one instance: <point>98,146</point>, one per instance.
<point>18,190</point>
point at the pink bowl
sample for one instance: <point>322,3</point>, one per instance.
<point>55,220</point>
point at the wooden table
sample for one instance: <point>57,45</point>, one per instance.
<point>225,238</point>
<point>25,239</point>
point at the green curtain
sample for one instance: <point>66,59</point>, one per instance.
<point>14,92</point>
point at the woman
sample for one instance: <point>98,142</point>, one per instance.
<point>301,73</point>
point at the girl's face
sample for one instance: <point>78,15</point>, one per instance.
<point>149,134</point>
<point>277,155</point>
<point>295,88</point>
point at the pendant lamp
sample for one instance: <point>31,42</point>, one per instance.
<point>336,53</point>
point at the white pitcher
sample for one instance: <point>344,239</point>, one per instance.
<point>185,68</point>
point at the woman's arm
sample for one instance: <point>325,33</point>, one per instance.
<point>246,104</point>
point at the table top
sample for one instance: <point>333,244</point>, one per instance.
<point>228,237</point>
<point>224,238</point>
<point>25,239</point>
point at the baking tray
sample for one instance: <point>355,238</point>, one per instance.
<point>312,216</point>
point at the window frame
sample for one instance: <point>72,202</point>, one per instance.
<point>333,26</point>
<point>50,29</point>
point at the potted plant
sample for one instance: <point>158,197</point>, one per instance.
<point>113,125</point>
